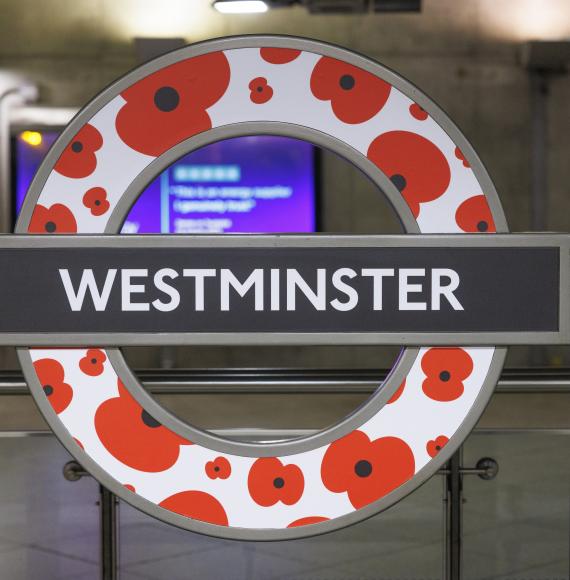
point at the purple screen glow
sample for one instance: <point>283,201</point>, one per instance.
<point>245,184</point>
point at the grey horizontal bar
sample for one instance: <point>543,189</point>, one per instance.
<point>297,382</point>
<point>539,332</point>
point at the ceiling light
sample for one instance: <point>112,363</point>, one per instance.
<point>240,6</point>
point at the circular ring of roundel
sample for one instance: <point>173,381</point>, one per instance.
<point>248,85</point>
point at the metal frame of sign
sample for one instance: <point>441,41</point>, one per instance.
<point>190,478</point>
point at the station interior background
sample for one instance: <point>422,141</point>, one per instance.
<point>466,55</point>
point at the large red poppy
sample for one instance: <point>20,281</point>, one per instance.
<point>51,376</point>
<point>170,105</point>
<point>197,505</point>
<point>474,216</point>
<point>270,481</point>
<point>56,219</point>
<point>78,158</point>
<point>445,370</point>
<point>366,470</point>
<point>279,55</point>
<point>355,94</point>
<point>134,437</point>
<point>414,165</point>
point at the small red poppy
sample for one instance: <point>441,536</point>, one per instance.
<point>78,158</point>
<point>414,164</point>
<point>197,505</point>
<point>474,216</point>
<point>307,521</point>
<point>130,487</point>
<point>355,94</point>
<point>418,113</point>
<point>220,468</point>
<point>461,157</point>
<point>95,199</point>
<point>92,363</point>
<point>134,437</point>
<point>56,219</point>
<point>270,481</point>
<point>436,445</point>
<point>279,55</point>
<point>445,370</point>
<point>79,444</point>
<point>171,104</point>
<point>51,376</point>
<point>366,470</point>
<point>397,394</point>
<point>261,92</point>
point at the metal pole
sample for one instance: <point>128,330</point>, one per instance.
<point>108,507</point>
<point>453,498</point>
<point>539,89</point>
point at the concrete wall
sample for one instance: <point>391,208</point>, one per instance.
<point>462,53</point>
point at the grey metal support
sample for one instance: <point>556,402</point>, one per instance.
<point>539,89</point>
<point>453,501</point>
<point>109,529</point>
<point>108,522</point>
<point>14,91</point>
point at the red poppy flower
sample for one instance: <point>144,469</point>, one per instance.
<point>92,363</point>
<point>414,165</point>
<point>78,158</point>
<point>461,157</point>
<point>279,55</point>
<point>436,445</point>
<point>134,437</point>
<point>56,219</point>
<point>307,521</point>
<point>474,216</point>
<point>95,199</point>
<point>170,105</point>
<point>445,369</point>
<point>196,505</point>
<point>261,92</point>
<point>270,481</point>
<point>51,376</point>
<point>366,470</point>
<point>130,487</point>
<point>220,468</point>
<point>397,394</point>
<point>418,113</point>
<point>355,94</point>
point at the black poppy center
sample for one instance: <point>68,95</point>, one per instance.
<point>438,447</point>
<point>94,361</point>
<point>399,181</point>
<point>363,468</point>
<point>278,482</point>
<point>482,226</point>
<point>77,147</point>
<point>347,82</point>
<point>166,99</point>
<point>97,202</point>
<point>149,420</point>
<point>259,89</point>
<point>48,390</point>
<point>444,376</point>
<point>217,468</point>
<point>50,227</point>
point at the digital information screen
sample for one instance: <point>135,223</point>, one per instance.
<point>262,184</point>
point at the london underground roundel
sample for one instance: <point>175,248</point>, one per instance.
<point>422,290</point>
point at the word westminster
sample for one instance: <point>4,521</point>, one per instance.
<point>271,289</point>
